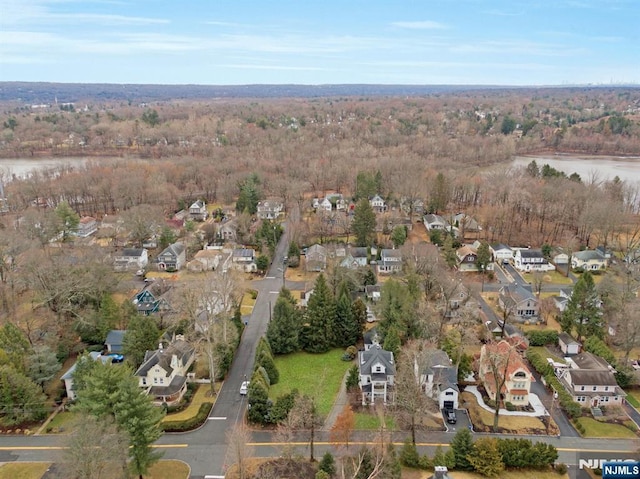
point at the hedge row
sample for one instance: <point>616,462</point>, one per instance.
<point>542,338</point>
<point>541,365</point>
<point>191,423</point>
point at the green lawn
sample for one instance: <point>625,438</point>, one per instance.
<point>549,277</point>
<point>61,422</point>
<point>633,397</point>
<point>201,395</point>
<point>595,428</point>
<point>319,375</point>
<point>544,352</point>
<point>371,421</point>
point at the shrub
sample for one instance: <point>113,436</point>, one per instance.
<point>409,456</point>
<point>253,293</point>
<point>191,423</point>
<point>509,406</point>
<point>327,464</point>
<point>561,468</point>
<point>542,338</point>
<point>350,353</point>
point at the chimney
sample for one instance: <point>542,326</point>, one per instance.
<point>160,347</point>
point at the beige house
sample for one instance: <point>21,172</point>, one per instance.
<point>588,260</point>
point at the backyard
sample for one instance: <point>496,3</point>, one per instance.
<point>318,375</point>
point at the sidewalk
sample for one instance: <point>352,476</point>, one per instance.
<point>342,399</point>
<point>534,401</point>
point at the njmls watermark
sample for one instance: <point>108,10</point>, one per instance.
<point>612,467</point>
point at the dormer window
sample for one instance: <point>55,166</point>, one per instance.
<point>378,368</point>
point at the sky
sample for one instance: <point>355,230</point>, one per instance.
<point>236,42</point>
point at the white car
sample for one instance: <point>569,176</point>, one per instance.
<point>244,387</point>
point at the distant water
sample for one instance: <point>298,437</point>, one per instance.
<point>588,167</point>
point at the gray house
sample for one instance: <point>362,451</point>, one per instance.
<point>172,258</point>
<point>377,373</point>
<point>440,380</point>
<point>114,341</point>
<point>316,258</point>
<point>519,301</point>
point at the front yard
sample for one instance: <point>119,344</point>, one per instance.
<point>318,375</point>
<point>482,420</point>
<point>201,395</point>
<point>594,428</point>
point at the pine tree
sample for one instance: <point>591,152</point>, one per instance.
<point>583,313</point>
<point>486,458</point>
<point>346,328</point>
<point>317,337</point>
<point>462,446</point>
<point>283,330</point>
<point>142,335</point>
<point>364,223</point>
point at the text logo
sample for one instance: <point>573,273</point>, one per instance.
<point>621,470</point>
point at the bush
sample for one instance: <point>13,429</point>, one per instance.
<point>509,406</point>
<point>561,468</point>
<point>350,353</point>
<point>409,456</point>
<point>253,293</point>
<point>327,464</point>
<point>191,423</point>
<point>542,338</point>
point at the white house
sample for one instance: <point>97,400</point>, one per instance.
<point>198,210</point>
<point>531,260</point>
<point>377,373</point>
<point>67,377</point>
<point>378,204</point>
<point>131,259</point>
<point>501,252</point>
<point>390,261</point>
<point>435,222</point>
<point>270,209</point>
<point>244,259</point>
<point>86,227</point>
<point>439,379</point>
<point>568,345</point>
<point>163,372</point>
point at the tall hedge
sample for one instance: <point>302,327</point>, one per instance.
<point>542,338</point>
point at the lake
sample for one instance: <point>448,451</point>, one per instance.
<point>588,167</point>
<point>21,167</point>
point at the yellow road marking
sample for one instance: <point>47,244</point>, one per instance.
<point>59,448</point>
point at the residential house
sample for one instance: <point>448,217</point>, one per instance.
<point>562,299</point>
<point>415,207</point>
<point>517,377</point>
<point>439,379</point>
<point>114,341</point>
<point>270,209</point>
<point>152,300</point>
<point>435,222</point>
<point>568,345</point>
<point>501,253</point>
<point>531,260</point>
<point>560,257</point>
<point>355,258</point>
<point>519,301</point>
<point>370,338</point>
<point>510,330</point>
<point>244,259</point>
<point>205,260</point>
<point>316,258</point>
<point>67,377</point>
<point>323,204</point>
<point>172,258</point>
<point>131,259</point>
<point>86,227</point>
<point>198,210</point>
<point>227,232</point>
<point>378,204</point>
<point>591,381</point>
<point>465,224</point>
<point>373,292</point>
<point>467,257</point>
<point>588,260</point>
<point>163,372</point>
<point>605,252</point>
<point>390,261</point>
<point>377,374</point>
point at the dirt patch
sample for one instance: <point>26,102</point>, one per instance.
<point>281,468</point>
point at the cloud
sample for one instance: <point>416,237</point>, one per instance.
<point>421,25</point>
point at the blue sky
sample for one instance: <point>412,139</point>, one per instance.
<point>228,42</point>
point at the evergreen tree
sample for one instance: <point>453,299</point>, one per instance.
<point>392,340</point>
<point>483,257</point>
<point>43,364</point>
<point>15,346</point>
<point>359,311</point>
<point>21,399</point>
<point>113,392</point>
<point>364,223</point>
<point>249,195</point>
<point>142,335</point>
<point>486,458</point>
<point>449,251</point>
<point>266,361</point>
<point>583,313</point>
<point>346,328</point>
<point>462,446</point>
<point>369,278</point>
<point>440,194</point>
<point>399,236</point>
<point>68,220</point>
<point>317,334</point>
<point>327,464</point>
<point>283,330</point>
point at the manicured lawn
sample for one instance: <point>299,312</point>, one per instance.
<point>23,470</point>
<point>61,423</point>
<point>201,396</point>
<point>550,277</point>
<point>319,375</point>
<point>169,470</point>
<point>483,420</point>
<point>595,428</point>
<point>371,422</point>
<point>633,397</point>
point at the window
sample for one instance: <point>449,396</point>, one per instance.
<point>449,393</point>
<point>605,399</point>
<point>595,388</point>
<point>155,380</point>
<point>606,388</point>
<point>144,381</point>
<point>581,388</point>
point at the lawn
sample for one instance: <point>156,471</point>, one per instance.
<point>483,420</point>
<point>23,470</point>
<point>319,375</point>
<point>550,277</point>
<point>595,428</point>
<point>371,422</point>
<point>544,352</point>
<point>633,397</point>
<point>61,422</point>
<point>201,396</point>
<point>248,302</point>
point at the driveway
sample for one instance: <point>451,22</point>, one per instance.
<point>551,404</point>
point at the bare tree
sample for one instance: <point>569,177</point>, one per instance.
<point>304,418</point>
<point>494,364</point>
<point>238,449</point>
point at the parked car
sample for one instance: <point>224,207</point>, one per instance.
<point>450,414</point>
<point>244,387</point>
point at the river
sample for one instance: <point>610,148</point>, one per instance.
<point>588,167</point>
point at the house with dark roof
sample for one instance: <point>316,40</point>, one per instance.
<point>518,377</point>
<point>270,209</point>
<point>467,257</point>
<point>172,258</point>
<point>591,381</point>
<point>198,210</point>
<point>152,300</point>
<point>355,258</point>
<point>439,378</point>
<point>130,259</point>
<point>501,253</point>
<point>163,372</point>
<point>435,222</point>
<point>519,301</point>
<point>244,259</point>
<point>114,341</point>
<point>568,345</point>
<point>378,204</point>
<point>377,371</point>
<point>390,261</point>
<point>531,260</point>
